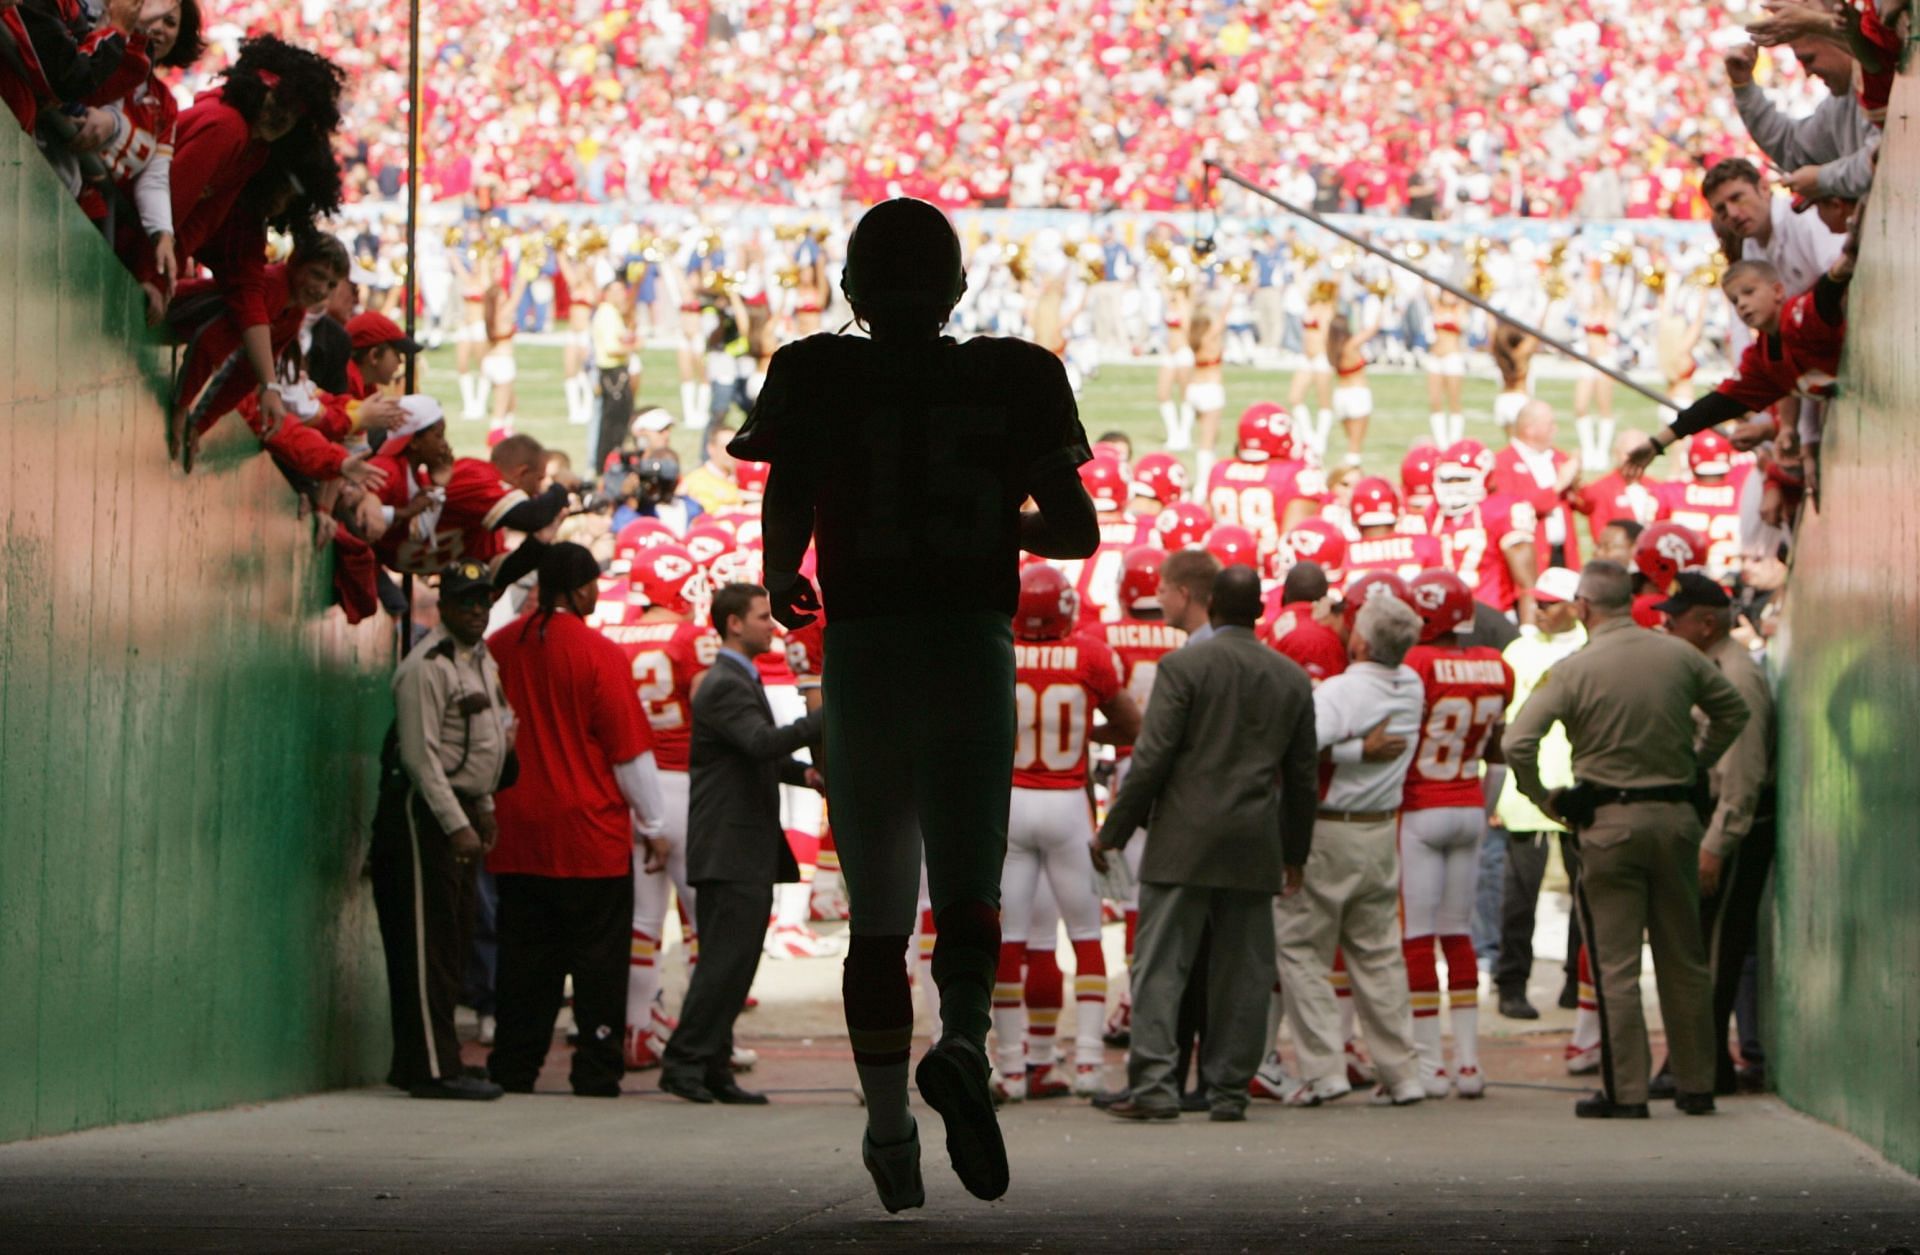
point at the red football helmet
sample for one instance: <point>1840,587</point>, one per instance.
<point>1182,525</point>
<point>642,533</point>
<point>1442,600</point>
<point>1140,577</point>
<point>1416,476</point>
<point>667,577</point>
<point>752,477</point>
<point>1370,584</point>
<point>1234,545</point>
<point>1318,541</point>
<point>1375,504</point>
<point>707,540</point>
<point>1160,476</point>
<point>1709,453</point>
<point>1111,449</point>
<point>1048,604</point>
<point>1266,434</point>
<point>1106,483</point>
<point>1666,549</point>
<point>1460,476</point>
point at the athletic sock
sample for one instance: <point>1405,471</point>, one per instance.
<point>690,413</point>
<point>643,978</point>
<point>1456,428</point>
<point>1423,994</point>
<point>1203,464</point>
<point>469,394</point>
<point>790,904</point>
<point>1584,428</point>
<point>1089,1001</point>
<point>1603,443</point>
<point>1586,1021</point>
<point>879,1010</point>
<point>1322,428</point>
<point>1045,994</point>
<point>965,956</point>
<point>1437,424</point>
<point>1170,419</point>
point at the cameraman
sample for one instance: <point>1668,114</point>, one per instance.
<point>1626,700</point>
<point>647,485</point>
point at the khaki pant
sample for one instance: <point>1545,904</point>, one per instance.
<point>1640,877</point>
<point>1350,902</point>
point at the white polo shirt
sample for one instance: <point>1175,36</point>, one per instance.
<point>1347,707</point>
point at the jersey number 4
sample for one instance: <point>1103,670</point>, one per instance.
<point>1051,726</point>
<point>1454,736</point>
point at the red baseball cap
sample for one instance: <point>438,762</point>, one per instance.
<point>370,329</point>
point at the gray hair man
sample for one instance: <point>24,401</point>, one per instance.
<point>1627,701</point>
<point>1351,898</point>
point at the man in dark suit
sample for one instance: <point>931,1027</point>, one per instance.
<point>1224,779</point>
<point>736,848</point>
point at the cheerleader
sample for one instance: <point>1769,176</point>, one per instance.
<point>1447,369</point>
<point>1352,399</point>
<point>1176,367</point>
<point>1593,391</point>
<point>1513,351</point>
<point>1313,371</point>
<point>1206,393</point>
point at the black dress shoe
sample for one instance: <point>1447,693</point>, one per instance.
<point>1570,996</point>
<point>1195,1102</point>
<point>1118,1040</point>
<point>1694,1104</point>
<point>610,1090</point>
<point>692,1091</point>
<point>1598,1106</point>
<point>457,1087</point>
<point>1516,1007</point>
<point>1227,1115</point>
<point>1131,1110</point>
<point>1751,1078</point>
<point>1108,1098</point>
<point>1661,1085</point>
<point>732,1095</point>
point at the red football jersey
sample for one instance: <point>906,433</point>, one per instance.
<point>476,500</point>
<point>1612,497</point>
<point>612,607</point>
<point>1468,691</point>
<point>1058,685</point>
<point>1138,646</point>
<point>1473,545</point>
<point>1255,495</point>
<point>1097,579</point>
<point>1712,510</point>
<point>664,658</point>
<point>807,648</point>
<point>1801,360</point>
<point>1296,634</point>
<point>1404,555</point>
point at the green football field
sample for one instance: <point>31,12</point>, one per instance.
<point>1119,398</point>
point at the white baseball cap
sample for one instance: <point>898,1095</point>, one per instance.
<point>421,412</point>
<point>1556,583</point>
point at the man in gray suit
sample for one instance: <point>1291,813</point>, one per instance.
<point>1224,779</point>
<point>736,848</point>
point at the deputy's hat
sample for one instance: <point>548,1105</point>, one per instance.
<point>463,579</point>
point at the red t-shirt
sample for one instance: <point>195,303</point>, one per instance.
<point>1057,686</point>
<point>477,499</point>
<point>1468,691</point>
<point>1296,634</point>
<point>1138,645</point>
<point>1474,544</point>
<point>572,691</point>
<point>663,659</point>
<point>1801,360</point>
<point>1255,495</point>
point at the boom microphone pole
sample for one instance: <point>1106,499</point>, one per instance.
<point>1233,176</point>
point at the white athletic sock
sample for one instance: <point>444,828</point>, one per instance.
<point>1586,1028</point>
<point>790,904</point>
<point>1170,419</point>
<point>885,1087</point>
<point>690,412</point>
<point>1203,464</point>
<point>1426,1046</point>
<point>470,406</point>
<point>1466,1036</point>
<point>1456,428</point>
<point>1603,444</point>
<point>1010,1032</point>
<point>703,402</point>
<point>1437,424</point>
<point>1584,427</point>
<point>579,399</point>
<point>1302,418</point>
<point>1322,428</point>
<point>643,978</point>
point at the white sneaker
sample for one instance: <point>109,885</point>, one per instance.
<point>1582,1061</point>
<point>743,1059</point>
<point>1272,1081</point>
<point>487,1026</point>
<point>1405,1094</point>
<point>1359,1067</point>
<point>1313,1093</point>
<point>1435,1082</point>
<point>1087,1081</point>
<point>792,941</point>
<point>1008,1089</point>
<point>1469,1083</point>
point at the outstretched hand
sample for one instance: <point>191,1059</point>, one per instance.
<point>794,603</point>
<point>1635,464</point>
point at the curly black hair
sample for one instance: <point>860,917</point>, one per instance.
<point>190,44</point>
<point>310,85</point>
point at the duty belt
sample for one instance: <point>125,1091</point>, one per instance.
<point>1605,795</point>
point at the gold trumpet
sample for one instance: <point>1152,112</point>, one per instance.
<point>1621,254</point>
<point>1095,268</point>
<point>454,236</point>
<point>1380,286</point>
<point>1071,248</point>
<point>1324,292</point>
<point>788,232</point>
<point>1655,277</point>
<point>1710,275</point>
<point>1017,262</point>
<point>1556,286</point>
<point>589,242</point>
<point>1416,249</point>
<point>1479,282</point>
<point>1306,254</point>
<point>789,276</point>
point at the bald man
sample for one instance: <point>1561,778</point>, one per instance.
<point>1530,469</point>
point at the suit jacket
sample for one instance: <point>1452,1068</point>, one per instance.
<point>1225,773</point>
<point>737,762</point>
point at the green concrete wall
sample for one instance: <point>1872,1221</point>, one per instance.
<point>1846,939</point>
<point>185,736</point>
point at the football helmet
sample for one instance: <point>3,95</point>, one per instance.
<point>1318,541</point>
<point>666,577</point>
<point>1442,600</point>
<point>1375,504</point>
<point>1140,577</point>
<point>1048,604</point>
<point>1667,548</point>
<point>1370,584</point>
<point>1265,434</point>
<point>707,540</point>
<point>1106,483</point>
<point>1234,545</point>
<point>751,477</point>
<point>1182,525</point>
<point>643,533</point>
<point>1111,449</point>
<point>1460,476</point>
<point>1709,453</point>
<point>1161,477</point>
<point>1416,476</point>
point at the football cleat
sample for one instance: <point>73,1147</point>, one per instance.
<point>1043,1082</point>
<point>1119,1034</point>
<point>1086,1080</point>
<point>1313,1093</point>
<point>1405,1094</point>
<point>792,941</point>
<point>1468,1083</point>
<point>743,1059</point>
<point>1006,1089</point>
<point>1580,1061</point>
<point>642,1050</point>
<point>1359,1067</point>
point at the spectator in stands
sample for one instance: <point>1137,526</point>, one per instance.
<point>55,55</point>
<point>1830,152</point>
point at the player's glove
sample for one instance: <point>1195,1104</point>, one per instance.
<point>792,599</point>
